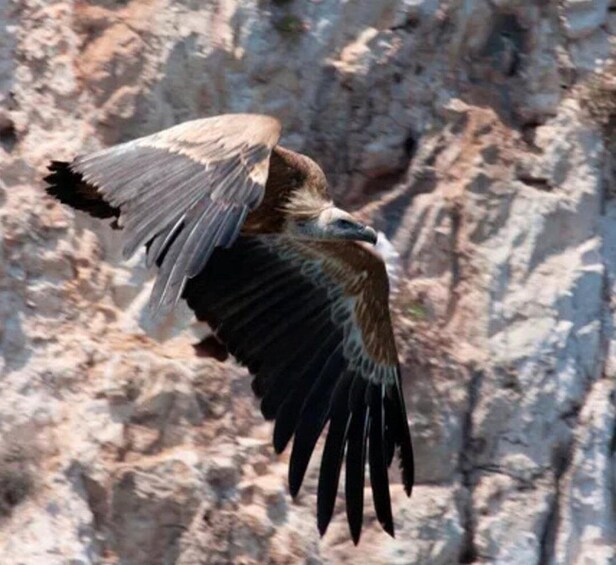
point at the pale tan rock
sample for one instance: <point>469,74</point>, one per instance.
<point>475,136</point>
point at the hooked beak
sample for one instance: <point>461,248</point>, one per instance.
<point>368,234</point>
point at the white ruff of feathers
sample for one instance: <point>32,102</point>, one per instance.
<point>393,263</point>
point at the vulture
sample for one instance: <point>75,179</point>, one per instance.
<point>246,232</point>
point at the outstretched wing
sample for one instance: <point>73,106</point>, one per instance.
<point>311,322</point>
<point>184,191</point>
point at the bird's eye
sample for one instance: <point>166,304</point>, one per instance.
<point>344,224</point>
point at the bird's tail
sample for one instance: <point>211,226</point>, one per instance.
<point>70,188</point>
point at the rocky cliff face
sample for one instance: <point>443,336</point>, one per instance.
<point>478,135</point>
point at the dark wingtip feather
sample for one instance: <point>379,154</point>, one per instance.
<point>355,470</point>
<point>285,424</point>
<point>388,528</point>
<point>408,472</point>
<point>323,524</point>
<point>379,478</point>
<point>69,188</point>
<point>314,414</point>
<point>56,166</point>
<point>303,446</point>
<point>333,455</point>
<point>400,428</point>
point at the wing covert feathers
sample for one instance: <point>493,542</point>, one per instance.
<point>305,318</point>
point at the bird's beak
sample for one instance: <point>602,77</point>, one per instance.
<point>368,234</point>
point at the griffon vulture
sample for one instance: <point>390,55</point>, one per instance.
<point>247,233</point>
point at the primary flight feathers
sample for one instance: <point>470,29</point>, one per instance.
<point>246,232</point>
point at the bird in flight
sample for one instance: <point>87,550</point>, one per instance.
<point>246,232</point>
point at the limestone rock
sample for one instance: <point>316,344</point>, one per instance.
<point>582,17</point>
<point>478,136</point>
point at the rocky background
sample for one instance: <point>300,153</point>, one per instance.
<point>478,135</point>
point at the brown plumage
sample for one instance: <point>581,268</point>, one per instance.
<point>246,232</point>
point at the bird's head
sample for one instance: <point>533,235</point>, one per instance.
<point>332,223</point>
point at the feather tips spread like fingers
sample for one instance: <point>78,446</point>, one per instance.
<point>287,310</point>
<point>313,418</point>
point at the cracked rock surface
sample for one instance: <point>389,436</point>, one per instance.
<point>480,138</point>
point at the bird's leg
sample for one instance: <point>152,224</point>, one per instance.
<point>211,346</point>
